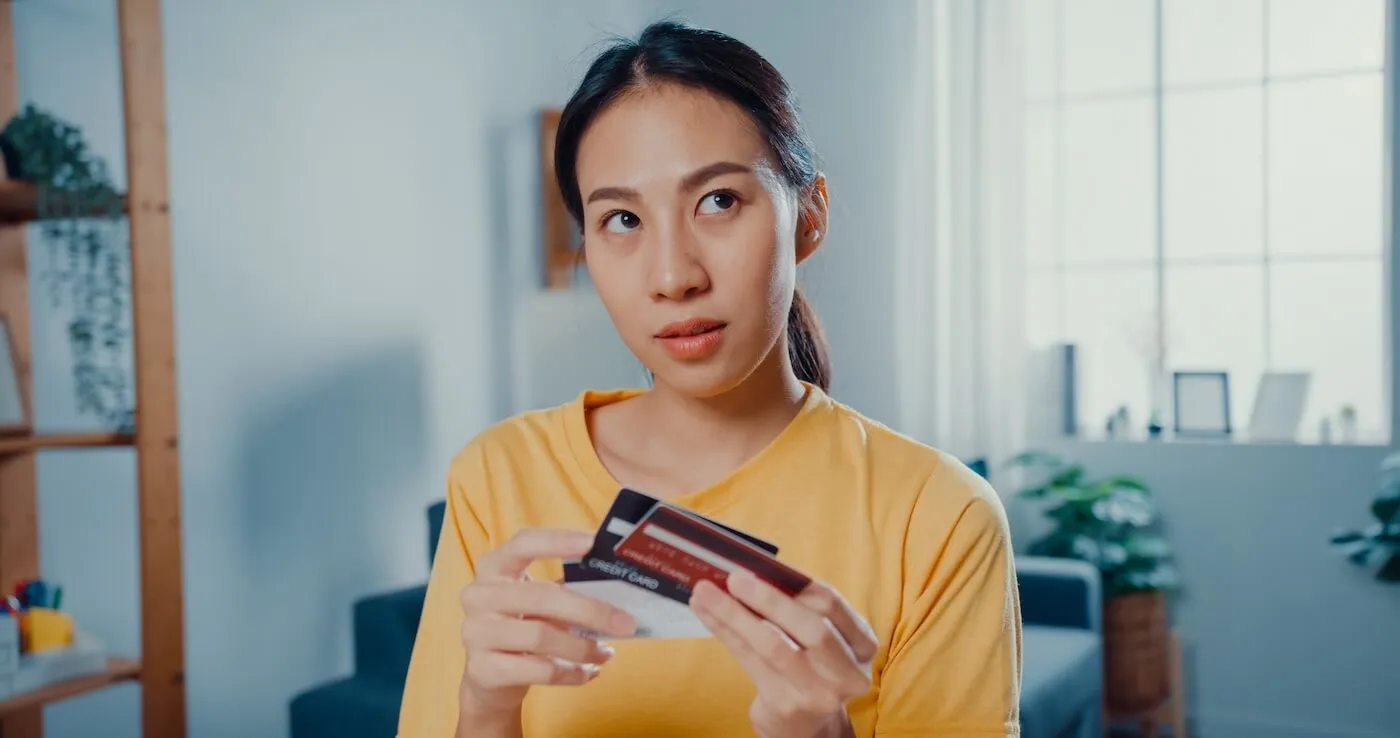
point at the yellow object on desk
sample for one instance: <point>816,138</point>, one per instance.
<point>44,628</point>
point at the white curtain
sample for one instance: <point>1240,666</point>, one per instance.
<point>960,268</point>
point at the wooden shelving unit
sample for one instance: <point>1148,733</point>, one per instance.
<point>160,669</point>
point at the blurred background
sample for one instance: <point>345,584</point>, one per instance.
<point>1152,237</point>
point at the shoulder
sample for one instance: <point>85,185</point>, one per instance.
<point>526,435</point>
<point>927,484</point>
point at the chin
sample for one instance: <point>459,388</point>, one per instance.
<point>701,380</point>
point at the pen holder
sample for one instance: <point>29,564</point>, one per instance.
<point>44,628</point>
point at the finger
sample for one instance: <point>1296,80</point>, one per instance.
<point>831,656</point>
<point>535,637</point>
<point>755,634</point>
<point>497,669</point>
<point>547,601</point>
<point>758,668</point>
<point>827,602</point>
<point>796,619</point>
<point>512,558</point>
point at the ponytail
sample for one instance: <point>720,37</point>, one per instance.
<point>807,344</point>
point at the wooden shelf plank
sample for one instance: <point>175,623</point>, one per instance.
<point>118,670</point>
<point>24,444</point>
<point>19,202</point>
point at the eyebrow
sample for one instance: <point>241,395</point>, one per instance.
<point>689,182</point>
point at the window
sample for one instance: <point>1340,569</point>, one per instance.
<point>1204,184</point>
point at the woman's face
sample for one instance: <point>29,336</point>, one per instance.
<point>690,234</point>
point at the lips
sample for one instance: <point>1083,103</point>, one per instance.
<point>691,327</point>
<point>692,340</point>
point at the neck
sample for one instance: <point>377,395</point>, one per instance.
<point>739,421</point>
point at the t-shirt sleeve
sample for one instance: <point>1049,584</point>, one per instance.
<point>429,706</point>
<point>954,665</point>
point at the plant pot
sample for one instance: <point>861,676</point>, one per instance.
<point>1136,676</point>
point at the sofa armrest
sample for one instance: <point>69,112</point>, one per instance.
<point>1060,592</point>
<point>385,626</point>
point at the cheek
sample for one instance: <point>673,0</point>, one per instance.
<point>763,271</point>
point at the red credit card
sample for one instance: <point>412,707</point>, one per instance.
<point>685,549</point>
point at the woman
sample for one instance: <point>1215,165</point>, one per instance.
<point>682,158</point>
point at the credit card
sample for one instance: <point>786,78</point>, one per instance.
<point>629,508</point>
<point>659,603</point>
<point>681,550</point>
<point>656,616</point>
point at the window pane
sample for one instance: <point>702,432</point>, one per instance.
<point>1215,322</point>
<point>1325,35</point>
<point>1040,32</point>
<point>1326,319</point>
<point>1213,163</point>
<point>1207,41</point>
<point>1107,45</point>
<point>1110,315</point>
<point>1040,195</point>
<point>1109,200</point>
<point>1043,299</point>
<point>1325,166</point>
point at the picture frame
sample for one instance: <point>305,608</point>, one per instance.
<point>1201,404</point>
<point>14,405</point>
<point>561,241</point>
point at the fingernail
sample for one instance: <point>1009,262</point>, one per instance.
<point>622,623</point>
<point>590,671</point>
<point>700,596</point>
<point>605,652</point>
<point>741,583</point>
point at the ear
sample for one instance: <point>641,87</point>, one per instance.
<point>812,219</point>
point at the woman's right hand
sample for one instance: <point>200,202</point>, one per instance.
<point>518,631</point>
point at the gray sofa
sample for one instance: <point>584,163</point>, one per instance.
<point>1062,662</point>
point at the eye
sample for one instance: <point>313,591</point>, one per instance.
<point>621,221</point>
<point>717,202</point>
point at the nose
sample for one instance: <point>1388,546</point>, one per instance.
<point>676,269</point>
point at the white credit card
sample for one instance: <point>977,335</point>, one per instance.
<point>656,616</point>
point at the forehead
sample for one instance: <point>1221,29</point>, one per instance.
<point>657,134</point>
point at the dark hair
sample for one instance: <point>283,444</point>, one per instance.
<point>712,61</point>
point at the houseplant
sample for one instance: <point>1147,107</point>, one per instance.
<point>1378,544</point>
<point>80,211</point>
<point>1110,522</point>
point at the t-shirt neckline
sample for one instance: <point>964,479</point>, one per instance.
<point>716,496</point>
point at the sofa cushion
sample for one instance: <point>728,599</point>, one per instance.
<point>1062,670</point>
<point>357,707</point>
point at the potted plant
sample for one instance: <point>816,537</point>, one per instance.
<point>80,212</point>
<point>1110,522</point>
<point>1377,546</point>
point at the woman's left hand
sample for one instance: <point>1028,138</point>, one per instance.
<point>807,655</point>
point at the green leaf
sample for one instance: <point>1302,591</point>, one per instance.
<point>1386,508</point>
<point>1131,509</point>
<point>1148,547</point>
<point>1069,477</point>
<point>1035,458</point>
<point>1122,482</point>
<point>1390,570</point>
<point>1034,492</point>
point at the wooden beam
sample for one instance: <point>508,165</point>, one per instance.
<point>163,712</point>
<point>19,512</point>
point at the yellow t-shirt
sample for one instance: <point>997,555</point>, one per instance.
<point>916,542</point>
